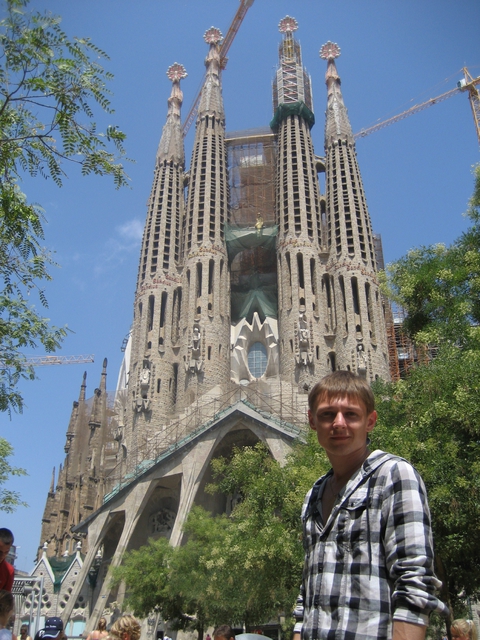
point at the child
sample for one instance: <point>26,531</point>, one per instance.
<point>6,611</point>
<point>463,630</point>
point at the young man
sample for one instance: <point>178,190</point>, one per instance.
<point>368,569</point>
<point>7,572</point>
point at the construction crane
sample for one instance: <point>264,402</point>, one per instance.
<point>41,361</point>
<point>226,44</point>
<point>467,83</point>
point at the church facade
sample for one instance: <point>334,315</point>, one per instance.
<point>252,285</point>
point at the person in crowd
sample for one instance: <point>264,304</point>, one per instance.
<point>100,632</point>
<point>53,630</point>
<point>7,606</point>
<point>24,633</point>
<point>462,629</point>
<point>368,569</point>
<point>125,628</point>
<point>223,632</point>
<point>7,572</point>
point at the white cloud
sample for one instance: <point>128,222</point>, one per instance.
<point>132,230</point>
<point>127,239</point>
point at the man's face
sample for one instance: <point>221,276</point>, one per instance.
<point>341,424</point>
<point>4,549</point>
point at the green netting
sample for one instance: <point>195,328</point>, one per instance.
<point>262,299</point>
<point>238,239</point>
<point>60,566</point>
<point>293,109</point>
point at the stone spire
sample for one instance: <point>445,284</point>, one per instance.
<point>205,353</point>
<point>301,307</point>
<point>337,124</point>
<point>171,143</point>
<point>360,340</point>
<point>211,101</point>
<point>156,325</point>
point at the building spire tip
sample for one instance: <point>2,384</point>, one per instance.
<point>213,36</point>
<point>287,25</point>
<point>176,72</point>
<point>330,51</point>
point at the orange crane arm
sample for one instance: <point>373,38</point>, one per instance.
<point>226,44</point>
<point>405,114</point>
<point>467,84</point>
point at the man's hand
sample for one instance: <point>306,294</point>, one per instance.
<point>406,631</point>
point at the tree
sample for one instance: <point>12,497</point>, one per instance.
<point>245,568</point>
<point>433,416</point>
<point>50,86</point>
<point>9,500</point>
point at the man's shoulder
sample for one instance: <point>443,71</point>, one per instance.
<point>394,470</point>
<point>384,462</point>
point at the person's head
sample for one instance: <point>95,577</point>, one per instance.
<point>6,541</point>
<point>24,630</point>
<point>342,413</point>
<point>462,629</point>
<point>102,624</point>
<point>125,628</point>
<point>342,384</point>
<point>53,629</point>
<point>7,604</point>
<point>224,631</point>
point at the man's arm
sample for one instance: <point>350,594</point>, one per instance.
<point>409,552</point>
<point>405,631</point>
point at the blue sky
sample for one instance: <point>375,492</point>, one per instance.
<point>417,173</point>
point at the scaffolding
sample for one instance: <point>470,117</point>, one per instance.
<point>407,355</point>
<point>251,230</point>
<point>281,405</point>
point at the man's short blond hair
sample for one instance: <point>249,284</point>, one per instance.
<point>342,384</point>
<point>125,624</point>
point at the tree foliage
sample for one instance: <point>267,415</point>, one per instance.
<point>50,88</point>
<point>439,286</point>
<point>433,416</point>
<point>9,500</point>
<point>245,568</point>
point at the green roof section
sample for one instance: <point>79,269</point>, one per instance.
<point>60,566</point>
<point>240,238</point>
<point>285,110</point>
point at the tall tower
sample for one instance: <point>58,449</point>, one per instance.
<point>155,336</point>
<point>304,324</point>
<point>360,342</point>
<point>205,319</point>
<point>80,484</point>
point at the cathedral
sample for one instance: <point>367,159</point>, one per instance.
<point>252,285</point>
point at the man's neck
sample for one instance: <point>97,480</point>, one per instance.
<point>345,466</point>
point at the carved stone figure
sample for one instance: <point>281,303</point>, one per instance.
<point>361,358</point>
<point>194,364</point>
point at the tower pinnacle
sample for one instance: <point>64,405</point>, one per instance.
<point>171,142</point>
<point>337,124</point>
<point>211,102</point>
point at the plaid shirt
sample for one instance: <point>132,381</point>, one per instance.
<point>372,562</point>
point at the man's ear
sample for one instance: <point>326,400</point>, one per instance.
<point>311,421</point>
<point>371,421</point>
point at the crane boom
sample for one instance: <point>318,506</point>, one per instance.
<point>40,361</point>
<point>466,84</point>
<point>226,44</point>
<point>470,84</point>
